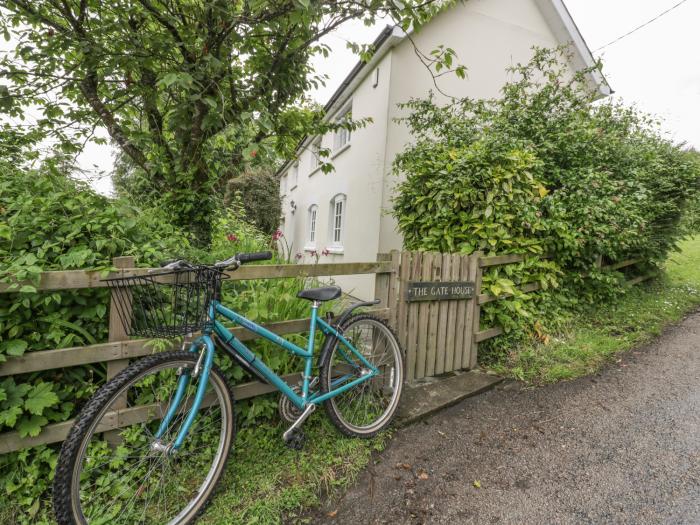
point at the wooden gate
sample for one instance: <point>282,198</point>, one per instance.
<point>436,329</point>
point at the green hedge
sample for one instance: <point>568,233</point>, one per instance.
<point>543,169</point>
<point>49,221</point>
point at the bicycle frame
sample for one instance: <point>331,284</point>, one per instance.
<point>206,360</point>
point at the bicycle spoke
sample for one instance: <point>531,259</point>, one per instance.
<point>138,480</point>
<point>364,406</point>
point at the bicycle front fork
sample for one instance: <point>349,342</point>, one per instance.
<point>201,371</point>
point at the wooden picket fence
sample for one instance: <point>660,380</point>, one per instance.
<point>437,336</point>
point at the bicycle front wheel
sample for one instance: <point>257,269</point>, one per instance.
<point>112,469</point>
<point>367,408</point>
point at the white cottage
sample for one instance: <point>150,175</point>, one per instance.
<point>346,212</point>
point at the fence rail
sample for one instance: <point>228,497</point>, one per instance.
<point>119,350</point>
<point>438,337</point>
<point>76,279</point>
<point>484,298</point>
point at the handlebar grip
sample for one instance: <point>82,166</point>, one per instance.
<point>250,257</point>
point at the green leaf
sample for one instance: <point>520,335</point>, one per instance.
<point>14,347</point>
<point>40,397</point>
<point>8,417</point>
<point>31,426</point>
<point>28,288</point>
<point>168,80</point>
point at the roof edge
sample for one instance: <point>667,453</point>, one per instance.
<point>562,23</point>
<point>386,40</point>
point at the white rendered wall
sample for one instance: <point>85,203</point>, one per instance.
<point>359,170</point>
<point>488,36</point>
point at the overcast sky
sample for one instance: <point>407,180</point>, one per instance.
<point>655,68</point>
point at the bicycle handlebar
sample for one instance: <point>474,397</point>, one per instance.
<point>255,256</point>
<point>235,261</point>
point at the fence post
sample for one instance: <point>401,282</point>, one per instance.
<point>476,265</point>
<point>382,282</point>
<point>393,302</point>
<point>117,333</point>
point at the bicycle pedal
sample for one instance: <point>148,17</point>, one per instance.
<point>296,440</point>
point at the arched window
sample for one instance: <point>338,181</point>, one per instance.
<point>312,226</point>
<point>337,222</point>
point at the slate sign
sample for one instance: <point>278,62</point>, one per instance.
<point>439,291</point>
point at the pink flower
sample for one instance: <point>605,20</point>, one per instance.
<point>254,153</point>
<point>298,256</point>
<point>277,235</point>
<point>313,253</point>
<point>325,252</point>
<point>232,237</point>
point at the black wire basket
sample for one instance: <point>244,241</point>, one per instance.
<point>166,304</point>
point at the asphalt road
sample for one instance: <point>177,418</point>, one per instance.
<point>622,446</point>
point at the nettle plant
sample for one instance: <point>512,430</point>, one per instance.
<point>544,170</point>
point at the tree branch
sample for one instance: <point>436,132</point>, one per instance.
<point>88,88</point>
<point>163,21</point>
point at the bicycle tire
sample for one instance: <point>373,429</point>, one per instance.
<point>84,428</point>
<point>326,374</point>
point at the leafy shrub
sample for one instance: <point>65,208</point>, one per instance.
<point>690,223</point>
<point>51,222</point>
<point>258,193</point>
<point>542,170</point>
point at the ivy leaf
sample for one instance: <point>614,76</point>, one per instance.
<point>15,347</point>
<point>31,426</point>
<point>42,396</point>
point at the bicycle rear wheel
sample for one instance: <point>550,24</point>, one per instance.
<point>116,475</point>
<point>368,408</point>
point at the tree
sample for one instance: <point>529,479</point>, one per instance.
<point>172,81</point>
<point>258,192</point>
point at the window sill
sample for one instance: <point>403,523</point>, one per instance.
<point>340,150</point>
<point>336,250</point>
<point>309,248</point>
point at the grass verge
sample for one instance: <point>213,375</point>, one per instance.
<point>590,341</point>
<point>266,483</point>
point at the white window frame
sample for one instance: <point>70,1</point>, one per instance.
<point>336,230</point>
<point>294,176</point>
<point>342,137</point>
<point>312,228</point>
<point>315,155</point>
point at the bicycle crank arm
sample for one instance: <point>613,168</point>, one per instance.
<point>303,417</point>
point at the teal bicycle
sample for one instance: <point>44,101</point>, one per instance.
<point>151,445</point>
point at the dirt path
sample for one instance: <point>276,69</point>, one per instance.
<point>619,447</point>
